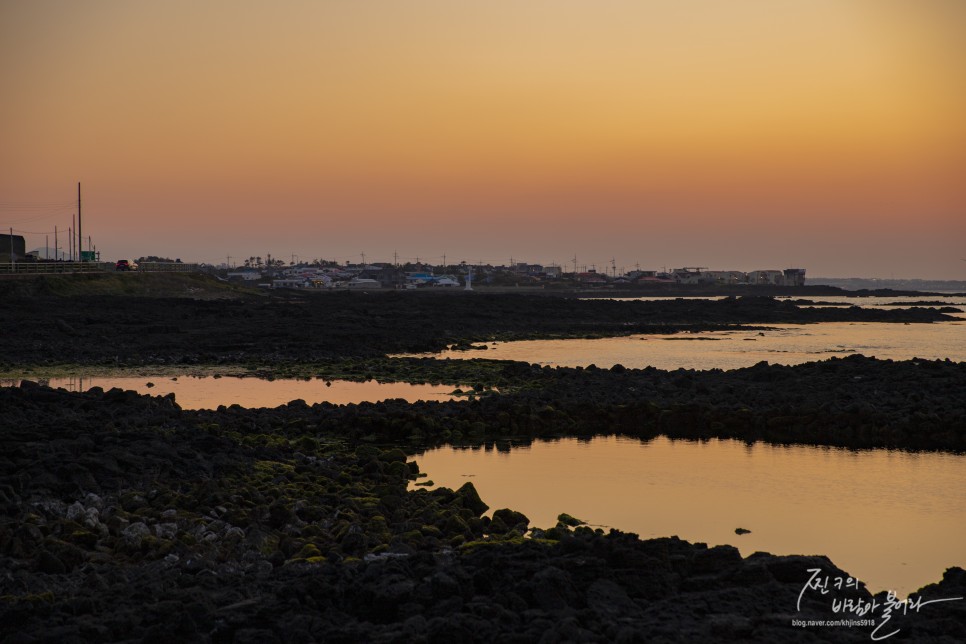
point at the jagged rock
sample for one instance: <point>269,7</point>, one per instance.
<point>511,518</point>
<point>471,500</point>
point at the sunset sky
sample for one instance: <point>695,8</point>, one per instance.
<point>742,134</point>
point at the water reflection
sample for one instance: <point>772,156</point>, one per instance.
<point>864,302</point>
<point>896,520</point>
<point>878,302</point>
<point>787,344</point>
<point>208,392</point>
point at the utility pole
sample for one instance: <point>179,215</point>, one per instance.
<point>80,237</point>
<point>70,236</point>
<point>575,263</point>
<point>56,245</point>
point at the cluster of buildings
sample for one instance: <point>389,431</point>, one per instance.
<point>385,275</point>
<point>365,276</point>
<point>686,275</point>
<point>700,275</point>
<point>329,275</point>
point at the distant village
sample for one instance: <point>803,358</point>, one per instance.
<point>331,275</point>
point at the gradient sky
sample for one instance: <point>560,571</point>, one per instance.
<point>824,134</point>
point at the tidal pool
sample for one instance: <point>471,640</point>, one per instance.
<point>208,392</point>
<point>895,520</point>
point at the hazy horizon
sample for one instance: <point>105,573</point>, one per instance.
<point>746,135</point>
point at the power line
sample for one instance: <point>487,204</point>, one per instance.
<point>18,216</point>
<point>32,232</point>
<point>27,220</point>
<point>23,205</point>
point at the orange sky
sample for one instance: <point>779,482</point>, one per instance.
<point>735,135</point>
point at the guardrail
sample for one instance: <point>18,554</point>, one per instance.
<point>35,268</point>
<point>47,268</point>
<point>167,267</point>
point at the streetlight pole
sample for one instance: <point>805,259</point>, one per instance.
<point>80,237</point>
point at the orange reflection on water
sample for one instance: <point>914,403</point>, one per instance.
<point>895,520</point>
<point>209,392</point>
<point>787,344</point>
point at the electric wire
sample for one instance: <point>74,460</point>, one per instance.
<point>16,213</point>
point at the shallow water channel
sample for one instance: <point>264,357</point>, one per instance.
<point>208,392</point>
<point>895,520</point>
<point>787,344</point>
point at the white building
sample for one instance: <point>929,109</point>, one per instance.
<point>692,276</point>
<point>727,277</point>
<point>773,277</point>
<point>297,282</point>
<point>248,276</point>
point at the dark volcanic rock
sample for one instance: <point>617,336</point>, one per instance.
<point>125,518</point>
<point>231,527</point>
<point>333,325</point>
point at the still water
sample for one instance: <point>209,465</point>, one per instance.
<point>787,344</point>
<point>906,301</point>
<point>208,392</point>
<point>894,520</point>
<point>870,302</point>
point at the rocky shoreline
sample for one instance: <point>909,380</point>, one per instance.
<point>127,518</point>
<point>296,328</point>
